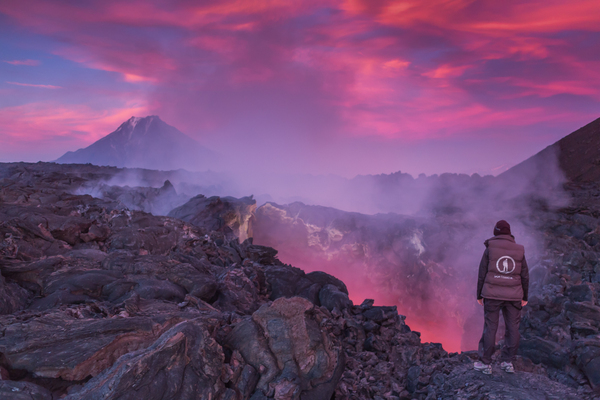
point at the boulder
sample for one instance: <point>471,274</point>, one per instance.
<point>323,278</point>
<point>234,217</point>
<point>285,342</point>
<point>331,297</point>
<point>12,297</point>
<point>69,229</point>
<point>96,232</point>
<point>412,378</point>
<point>285,281</point>
<point>183,363</point>
<point>236,292</point>
<point>588,360</point>
<point>21,390</point>
<point>592,371</point>
<point>583,310</point>
<point>588,222</point>
<point>149,288</point>
<point>544,351</point>
<point>579,293</point>
<point>63,345</point>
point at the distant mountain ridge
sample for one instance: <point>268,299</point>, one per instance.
<point>145,142</point>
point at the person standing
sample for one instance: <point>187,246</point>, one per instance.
<point>503,284</point>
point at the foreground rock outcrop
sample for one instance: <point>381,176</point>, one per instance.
<point>102,301</point>
<point>229,215</point>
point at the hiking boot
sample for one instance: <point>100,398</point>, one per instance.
<point>485,368</point>
<point>508,367</point>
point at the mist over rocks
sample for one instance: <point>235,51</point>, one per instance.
<point>139,292</point>
<point>195,301</point>
<point>158,201</point>
<point>427,263</point>
<point>382,255</point>
<point>152,144</point>
<point>151,294</point>
<point>427,260</point>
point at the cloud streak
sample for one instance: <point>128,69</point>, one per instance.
<point>31,63</point>
<point>34,85</point>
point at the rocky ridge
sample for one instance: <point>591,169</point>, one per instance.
<point>103,301</point>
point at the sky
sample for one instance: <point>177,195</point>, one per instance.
<point>322,87</point>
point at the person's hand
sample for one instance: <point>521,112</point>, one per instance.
<point>523,303</point>
<point>480,301</point>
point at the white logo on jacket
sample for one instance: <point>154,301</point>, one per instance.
<point>508,265</point>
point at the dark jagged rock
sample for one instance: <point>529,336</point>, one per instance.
<point>73,347</point>
<point>579,293</point>
<point>12,297</point>
<point>10,390</point>
<point>285,281</point>
<point>588,359</point>
<point>331,297</point>
<point>101,291</point>
<point>102,301</point>
<point>185,361</point>
<point>157,201</point>
<point>544,351</point>
<point>285,342</point>
<point>323,278</point>
<point>229,215</point>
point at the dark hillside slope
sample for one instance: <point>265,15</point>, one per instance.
<point>578,156</point>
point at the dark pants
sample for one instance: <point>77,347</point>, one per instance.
<point>511,311</point>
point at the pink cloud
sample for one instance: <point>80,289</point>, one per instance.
<point>33,85</point>
<point>58,127</point>
<point>31,63</point>
<point>335,70</point>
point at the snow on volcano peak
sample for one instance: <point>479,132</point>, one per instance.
<point>133,121</point>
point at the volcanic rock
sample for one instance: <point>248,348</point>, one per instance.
<point>331,297</point>
<point>185,361</point>
<point>286,343</point>
<point>374,251</point>
<point>157,201</point>
<point>123,303</point>
<point>11,390</point>
<point>229,215</point>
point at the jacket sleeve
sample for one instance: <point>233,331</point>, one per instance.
<point>525,278</point>
<point>483,267</point>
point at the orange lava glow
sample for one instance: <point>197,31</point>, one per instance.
<point>445,326</point>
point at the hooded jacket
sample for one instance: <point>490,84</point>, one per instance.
<point>503,271</point>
